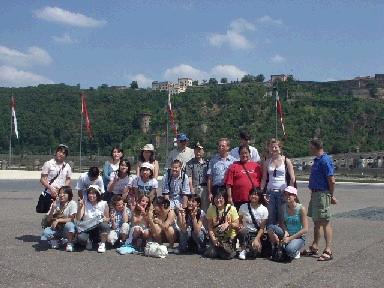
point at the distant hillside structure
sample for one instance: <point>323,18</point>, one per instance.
<point>280,78</point>
<point>145,122</point>
<point>173,88</point>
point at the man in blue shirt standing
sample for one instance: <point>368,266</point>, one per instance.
<point>322,186</point>
<point>218,166</point>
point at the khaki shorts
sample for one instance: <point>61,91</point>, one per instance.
<point>319,207</point>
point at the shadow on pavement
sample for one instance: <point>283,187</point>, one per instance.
<point>38,246</point>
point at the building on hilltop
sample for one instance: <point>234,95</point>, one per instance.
<point>173,88</point>
<point>280,78</point>
<point>379,77</point>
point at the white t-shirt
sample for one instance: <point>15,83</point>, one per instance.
<point>145,187</point>
<point>69,210</point>
<point>184,156</point>
<point>96,211</point>
<point>84,182</point>
<point>255,157</point>
<point>121,184</point>
<point>51,168</point>
<point>260,213</point>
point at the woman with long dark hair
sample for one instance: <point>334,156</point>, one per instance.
<point>190,222</point>
<point>223,222</point>
<point>93,218</point>
<point>253,219</point>
<point>121,180</point>
<point>112,165</point>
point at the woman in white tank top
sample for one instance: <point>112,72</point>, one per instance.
<point>274,179</point>
<point>276,174</point>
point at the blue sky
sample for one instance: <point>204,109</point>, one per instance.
<point>115,42</point>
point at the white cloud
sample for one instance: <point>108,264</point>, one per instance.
<point>277,59</point>
<point>234,35</point>
<point>184,70</point>
<point>64,39</point>
<point>233,39</point>
<point>33,56</point>
<point>12,77</point>
<point>228,71</point>
<point>142,80</point>
<point>241,25</point>
<point>266,19</point>
<point>58,15</point>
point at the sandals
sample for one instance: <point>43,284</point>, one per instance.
<point>310,251</point>
<point>326,256</point>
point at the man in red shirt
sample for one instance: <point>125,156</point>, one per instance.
<point>242,176</point>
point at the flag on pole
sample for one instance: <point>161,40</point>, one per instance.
<point>279,109</point>
<point>13,108</point>
<point>171,115</point>
<point>84,111</point>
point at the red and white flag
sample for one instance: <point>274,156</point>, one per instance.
<point>13,109</point>
<point>171,115</point>
<point>279,109</point>
<point>84,111</point>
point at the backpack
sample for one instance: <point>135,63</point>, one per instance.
<point>279,254</point>
<point>287,175</point>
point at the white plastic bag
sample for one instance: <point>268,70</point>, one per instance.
<point>153,249</point>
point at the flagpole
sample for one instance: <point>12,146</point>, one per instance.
<point>276,97</point>
<point>81,133</point>
<point>10,139</point>
<point>167,133</point>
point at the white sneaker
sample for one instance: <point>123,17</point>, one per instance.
<point>297,256</point>
<point>69,247</point>
<point>101,248</point>
<point>54,244</point>
<point>243,255</point>
<point>89,245</point>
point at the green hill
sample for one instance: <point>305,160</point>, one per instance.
<point>50,114</point>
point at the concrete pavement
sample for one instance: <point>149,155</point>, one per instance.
<point>358,251</point>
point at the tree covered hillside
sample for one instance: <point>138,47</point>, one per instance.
<point>50,114</point>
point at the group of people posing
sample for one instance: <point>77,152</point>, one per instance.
<point>233,204</point>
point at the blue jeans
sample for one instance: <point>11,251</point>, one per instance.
<point>275,201</point>
<point>50,233</point>
<point>293,246</point>
<point>197,238</point>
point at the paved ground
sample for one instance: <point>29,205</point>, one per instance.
<point>358,249</point>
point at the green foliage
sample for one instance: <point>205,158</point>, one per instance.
<point>248,78</point>
<point>134,85</point>
<point>260,78</point>
<point>212,81</point>
<point>50,114</point>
